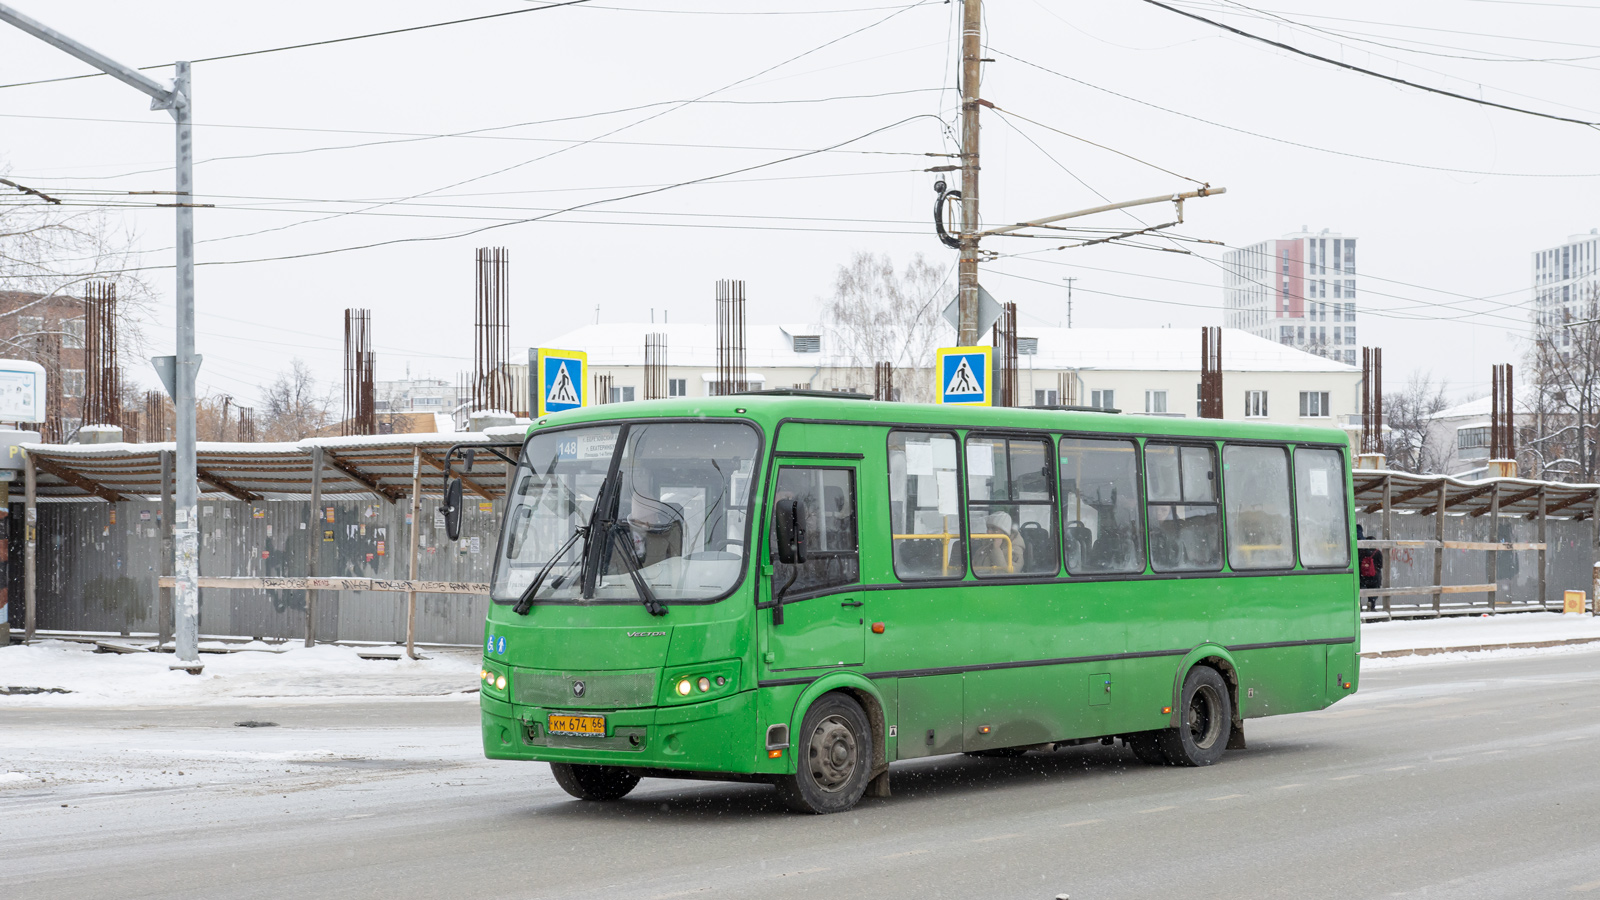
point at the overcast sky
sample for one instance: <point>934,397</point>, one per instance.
<point>319,149</point>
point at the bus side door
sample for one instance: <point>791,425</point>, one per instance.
<point>820,621</point>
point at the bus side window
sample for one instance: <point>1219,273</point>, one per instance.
<point>1259,533</point>
<point>1011,522</point>
<point>829,498</point>
<point>1320,505</point>
<point>1181,496</point>
<point>1100,506</point>
<point>925,506</point>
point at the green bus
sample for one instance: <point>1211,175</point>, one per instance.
<point>800,588</point>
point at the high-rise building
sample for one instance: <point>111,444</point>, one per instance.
<point>1566,284</point>
<point>1298,290</point>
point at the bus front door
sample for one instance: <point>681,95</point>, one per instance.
<point>821,623</point>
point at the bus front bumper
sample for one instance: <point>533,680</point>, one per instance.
<point>714,736</point>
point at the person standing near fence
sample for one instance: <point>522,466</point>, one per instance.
<point>1370,567</point>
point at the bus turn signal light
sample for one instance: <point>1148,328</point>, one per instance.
<point>877,628</point>
<point>774,754</point>
<point>1166,710</point>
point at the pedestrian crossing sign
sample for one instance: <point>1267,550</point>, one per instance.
<point>560,381</point>
<point>965,375</point>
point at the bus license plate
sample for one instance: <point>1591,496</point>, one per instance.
<point>583,726</point>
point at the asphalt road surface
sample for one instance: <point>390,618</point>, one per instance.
<point>1460,779</point>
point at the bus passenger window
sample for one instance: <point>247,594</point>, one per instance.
<point>1320,503</point>
<point>1259,533</point>
<point>1011,522</point>
<point>829,498</point>
<point>925,506</point>
<point>1181,495</point>
<point>1100,506</point>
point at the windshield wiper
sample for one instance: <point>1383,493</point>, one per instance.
<point>525,602</point>
<point>621,540</point>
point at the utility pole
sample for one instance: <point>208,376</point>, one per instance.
<point>175,100</point>
<point>971,48</point>
<point>1069,280</point>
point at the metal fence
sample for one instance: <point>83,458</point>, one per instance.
<point>98,564</point>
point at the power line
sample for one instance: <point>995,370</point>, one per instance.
<point>1358,69</point>
<point>322,43</point>
<point>1286,141</point>
<point>634,124</point>
<point>1130,156</point>
<point>539,218</point>
<point>478,133</point>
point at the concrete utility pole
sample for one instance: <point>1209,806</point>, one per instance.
<point>176,100</point>
<point>971,52</point>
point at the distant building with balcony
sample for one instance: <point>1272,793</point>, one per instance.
<point>1566,281</point>
<point>1298,290</point>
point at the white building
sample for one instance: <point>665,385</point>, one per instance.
<point>1563,277</point>
<point>414,395</point>
<point>1137,370</point>
<point>1298,290</point>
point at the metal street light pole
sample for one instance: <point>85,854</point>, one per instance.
<point>176,100</point>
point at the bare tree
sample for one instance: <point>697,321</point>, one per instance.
<point>1557,437</point>
<point>878,315</point>
<point>1413,444</point>
<point>293,406</point>
<point>50,250</point>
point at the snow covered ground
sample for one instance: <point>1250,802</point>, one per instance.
<point>1477,631</point>
<point>298,674</point>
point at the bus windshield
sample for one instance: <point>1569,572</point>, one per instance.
<point>679,495</point>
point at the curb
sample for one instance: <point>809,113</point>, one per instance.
<point>1477,648</point>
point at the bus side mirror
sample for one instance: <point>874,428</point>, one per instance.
<point>791,527</point>
<point>452,509</point>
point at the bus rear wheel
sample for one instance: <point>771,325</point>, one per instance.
<point>598,783</point>
<point>1205,720</point>
<point>833,758</point>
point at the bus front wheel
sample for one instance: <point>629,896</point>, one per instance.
<point>1205,720</point>
<point>594,782</point>
<point>833,758</point>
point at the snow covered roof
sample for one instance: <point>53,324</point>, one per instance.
<point>1113,349</point>
<point>367,464</point>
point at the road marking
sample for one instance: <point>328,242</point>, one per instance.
<point>1490,752</point>
<point>1587,886</point>
<point>1399,768</point>
<point>1224,797</point>
<point>1157,809</point>
<point>1284,787</point>
<point>1345,777</point>
<point>903,855</point>
<point>1082,822</point>
<point>1448,759</point>
<point>361,816</point>
<point>997,837</point>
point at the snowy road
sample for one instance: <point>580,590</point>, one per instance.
<point>1474,778</point>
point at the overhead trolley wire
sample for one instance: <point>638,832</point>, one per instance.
<point>1290,48</point>
<point>1286,141</point>
<point>321,43</point>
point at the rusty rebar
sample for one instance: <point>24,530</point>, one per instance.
<point>491,384</point>
<point>731,374</point>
